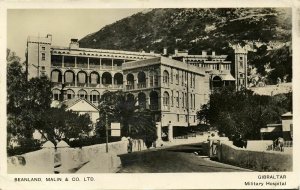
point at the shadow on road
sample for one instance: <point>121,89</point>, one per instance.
<point>219,167</point>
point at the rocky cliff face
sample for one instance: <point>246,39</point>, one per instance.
<point>196,30</point>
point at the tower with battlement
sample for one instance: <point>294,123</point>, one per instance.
<point>38,57</point>
<point>240,67</point>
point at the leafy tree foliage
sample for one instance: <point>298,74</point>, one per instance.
<point>60,124</point>
<point>244,113</point>
<point>135,122</point>
<point>279,61</point>
<point>29,109</point>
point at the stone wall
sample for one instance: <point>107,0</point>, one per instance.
<point>255,160</point>
<point>36,162</point>
<point>70,160</point>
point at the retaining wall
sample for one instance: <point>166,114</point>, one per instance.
<point>36,162</point>
<point>70,160</point>
<point>255,160</point>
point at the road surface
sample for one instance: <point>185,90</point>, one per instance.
<point>174,159</point>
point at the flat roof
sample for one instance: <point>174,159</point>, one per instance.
<point>163,61</point>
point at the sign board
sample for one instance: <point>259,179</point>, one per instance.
<point>115,129</point>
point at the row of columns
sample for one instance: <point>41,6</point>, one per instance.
<point>88,62</point>
<point>113,82</point>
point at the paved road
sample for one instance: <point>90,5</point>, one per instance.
<point>174,159</point>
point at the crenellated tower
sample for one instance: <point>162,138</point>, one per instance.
<point>240,67</point>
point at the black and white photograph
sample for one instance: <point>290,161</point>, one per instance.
<point>149,90</point>
<point>149,95</point>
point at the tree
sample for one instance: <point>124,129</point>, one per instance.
<point>135,122</point>
<point>29,109</point>
<point>243,113</point>
<point>59,124</point>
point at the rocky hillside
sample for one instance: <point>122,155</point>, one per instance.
<point>195,30</point>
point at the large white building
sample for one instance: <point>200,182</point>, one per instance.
<point>174,87</point>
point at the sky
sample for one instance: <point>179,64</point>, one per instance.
<point>63,24</point>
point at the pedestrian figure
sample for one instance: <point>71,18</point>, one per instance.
<point>280,143</point>
<point>129,148</point>
<point>139,144</point>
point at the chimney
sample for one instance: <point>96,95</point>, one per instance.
<point>74,44</point>
<point>165,51</point>
<point>204,53</point>
<point>49,36</point>
<point>213,53</point>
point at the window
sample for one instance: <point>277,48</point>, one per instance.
<point>166,77</point>
<point>171,75</point>
<point>55,94</point>
<point>153,78</point>
<point>43,68</point>
<point>43,48</point>
<point>186,118</point>
<point>172,98</point>
<point>166,99</point>
<point>70,94</point>
<point>177,99</point>
<point>191,106</point>
<point>178,117</point>
<point>194,81</point>
<point>186,100</point>
<point>182,99</point>
<point>194,105</point>
<point>43,57</point>
<point>177,76</point>
<point>191,79</point>
<point>182,78</point>
<point>82,94</point>
<point>95,96</point>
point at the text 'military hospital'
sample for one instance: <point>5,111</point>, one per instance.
<point>174,86</point>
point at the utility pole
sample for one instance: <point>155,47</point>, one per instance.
<point>38,66</point>
<point>106,131</point>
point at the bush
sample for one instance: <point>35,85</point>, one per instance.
<point>26,145</point>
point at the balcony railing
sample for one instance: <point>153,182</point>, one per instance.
<point>129,87</point>
<point>119,86</point>
<point>107,85</point>
<point>57,84</point>
<point>117,67</point>
<point>82,65</point>
<point>94,66</point>
<point>56,64</point>
<point>93,85</point>
<point>82,84</point>
<point>154,107</point>
<point>69,64</point>
<point>106,67</point>
<point>69,84</point>
<point>141,85</point>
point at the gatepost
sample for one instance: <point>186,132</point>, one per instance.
<point>158,134</point>
<point>62,156</point>
<point>49,147</point>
